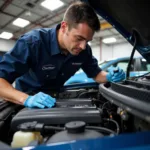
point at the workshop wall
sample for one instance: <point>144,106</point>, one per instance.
<point>106,52</point>
<point>112,51</point>
<point>6,45</point>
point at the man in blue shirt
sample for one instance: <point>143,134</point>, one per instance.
<point>45,58</point>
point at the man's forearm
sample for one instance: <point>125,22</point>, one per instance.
<point>101,77</point>
<point>9,93</point>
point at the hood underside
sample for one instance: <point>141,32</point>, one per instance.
<point>128,17</point>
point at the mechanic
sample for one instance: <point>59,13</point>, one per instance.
<point>43,59</point>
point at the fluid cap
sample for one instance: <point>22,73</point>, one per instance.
<point>75,126</point>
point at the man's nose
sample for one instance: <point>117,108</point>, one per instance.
<point>83,45</point>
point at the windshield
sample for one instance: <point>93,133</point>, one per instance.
<point>103,63</point>
<point>100,65</point>
<point>138,65</point>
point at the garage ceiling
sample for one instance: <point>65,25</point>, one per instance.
<point>41,17</point>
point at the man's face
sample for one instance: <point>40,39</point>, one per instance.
<point>75,39</point>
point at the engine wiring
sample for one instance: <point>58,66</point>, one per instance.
<point>101,110</point>
<point>115,122</point>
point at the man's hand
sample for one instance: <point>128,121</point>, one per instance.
<point>40,100</point>
<point>115,74</point>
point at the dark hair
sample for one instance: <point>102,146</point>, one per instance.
<point>80,12</point>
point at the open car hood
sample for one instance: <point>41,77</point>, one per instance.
<point>130,18</point>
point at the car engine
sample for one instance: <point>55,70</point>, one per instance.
<point>90,111</point>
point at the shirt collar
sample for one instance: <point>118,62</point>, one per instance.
<point>54,41</point>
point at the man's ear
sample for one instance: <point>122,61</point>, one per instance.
<point>64,26</point>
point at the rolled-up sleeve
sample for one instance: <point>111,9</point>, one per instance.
<point>90,67</point>
<point>15,62</point>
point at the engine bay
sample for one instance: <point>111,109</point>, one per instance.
<point>81,113</point>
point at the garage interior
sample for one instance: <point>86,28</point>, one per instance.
<point>37,16</point>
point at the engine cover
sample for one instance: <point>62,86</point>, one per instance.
<point>65,111</point>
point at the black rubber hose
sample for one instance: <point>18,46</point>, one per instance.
<point>49,128</point>
<point>102,129</point>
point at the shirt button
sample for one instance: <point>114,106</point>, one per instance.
<point>62,74</point>
<point>47,76</point>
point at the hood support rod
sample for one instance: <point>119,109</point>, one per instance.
<point>132,54</point>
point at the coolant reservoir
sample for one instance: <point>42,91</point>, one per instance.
<point>75,130</point>
<point>21,139</point>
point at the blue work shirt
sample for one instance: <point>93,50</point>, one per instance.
<point>36,62</point>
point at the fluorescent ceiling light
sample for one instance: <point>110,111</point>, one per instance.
<point>144,60</point>
<point>89,43</point>
<point>6,35</point>
<point>109,40</point>
<point>52,4</point>
<point>21,22</point>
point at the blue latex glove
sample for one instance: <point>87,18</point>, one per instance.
<point>40,100</point>
<point>115,76</point>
